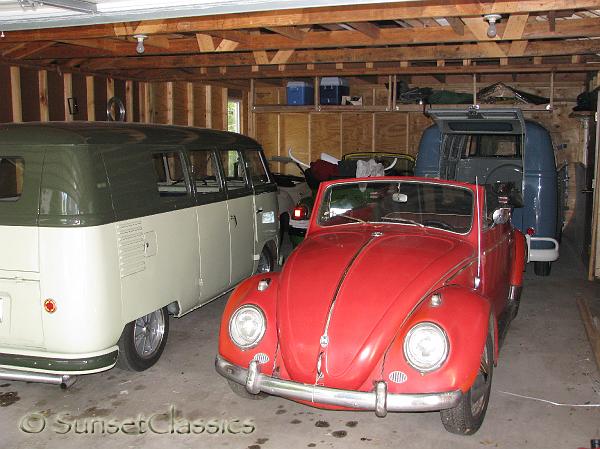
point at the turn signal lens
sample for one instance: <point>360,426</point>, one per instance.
<point>300,213</point>
<point>50,305</point>
<point>530,231</point>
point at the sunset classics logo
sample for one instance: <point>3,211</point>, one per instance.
<point>171,422</point>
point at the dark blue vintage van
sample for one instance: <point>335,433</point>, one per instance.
<point>498,145</point>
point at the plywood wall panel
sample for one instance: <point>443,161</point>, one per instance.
<point>268,135</point>
<point>100,98</point>
<point>325,135</point>
<point>270,95</point>
<point>219,108</point>
<point>357,132</point>
<point>56,87</point>
<point>159,109</point>
<point>417,123</point>
<point>294,135</point>
<point>199,105</point>
<point>5,106</point>
<point>390,132</point>
<point>79,95</point>
<point>180,103</point>
<point>30,100</point>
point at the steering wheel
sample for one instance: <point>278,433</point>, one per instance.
<point>437,224</point>
<point>505,172</point>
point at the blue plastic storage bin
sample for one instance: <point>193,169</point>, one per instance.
<point>332,89</point>
<point>300,93</point>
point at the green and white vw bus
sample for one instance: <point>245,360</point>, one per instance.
<point>106,229</point>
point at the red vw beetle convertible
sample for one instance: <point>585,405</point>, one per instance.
<point>395,302</point>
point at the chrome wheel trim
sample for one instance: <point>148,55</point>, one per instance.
<point>148,334</point>
<point>264,263</point>
<point>481,385</point>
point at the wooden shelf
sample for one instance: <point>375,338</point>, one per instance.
<point>319,108</point>
<point>398,108</point>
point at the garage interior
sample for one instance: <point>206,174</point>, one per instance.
<point>227,66</point>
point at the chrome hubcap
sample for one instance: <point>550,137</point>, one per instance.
<point>481,386</point>
<point>148,333</point>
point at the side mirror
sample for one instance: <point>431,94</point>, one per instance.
<point>501,215</point>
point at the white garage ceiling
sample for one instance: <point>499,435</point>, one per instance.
<point>32,14</point>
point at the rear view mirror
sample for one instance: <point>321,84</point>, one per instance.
<point>399,198</point>
<point>501,215</point>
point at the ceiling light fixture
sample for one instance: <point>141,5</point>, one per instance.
<point>492,19</point>
<point>140,42</point>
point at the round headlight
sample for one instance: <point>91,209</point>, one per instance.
<point>247,326</point>
<point>426,346</point>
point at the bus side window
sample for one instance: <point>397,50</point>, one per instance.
<point>256,166</point>
<point>11,178</point>
<point>233,168</point>
<point>205,172</point>
<point>170,176</point>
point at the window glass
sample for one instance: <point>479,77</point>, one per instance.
<point>11,178</point>
<point>494,145</point>
<point>170,175</point>
<point>410,203</point>
<point>258,172</point>
<point>205,171</point>
<point>233,116</point>
<point>233,168</point>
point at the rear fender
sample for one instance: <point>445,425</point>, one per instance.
<point>247,293</point>
<point>465,317</point>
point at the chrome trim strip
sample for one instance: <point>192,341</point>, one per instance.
<point>379,400</point>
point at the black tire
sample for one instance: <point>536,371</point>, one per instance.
<point>542,268</point>
<point>153,329</point>
<point>466,418</point>
<point>266,262</point>
<point>241,391</point>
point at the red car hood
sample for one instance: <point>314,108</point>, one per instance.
<point>376,282</point>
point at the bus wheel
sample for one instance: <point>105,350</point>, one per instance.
<point>143,341</point>
<point>542,268</point>
<point>265,262</point>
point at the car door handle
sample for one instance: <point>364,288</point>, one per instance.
<point>259,210</point>
<point>234,219</point>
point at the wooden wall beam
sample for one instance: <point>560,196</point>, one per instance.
<point>15,94</point>
<point>68,93</point>
<point>43,95</point>
<point>420,53</point>
<point>189,88</point>
<point>208,97</point>
<point>90,103</point>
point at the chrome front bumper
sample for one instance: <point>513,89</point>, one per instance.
<point>379,400</point>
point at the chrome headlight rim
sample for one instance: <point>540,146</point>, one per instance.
<point>239,310</point>
<point>411,332</point>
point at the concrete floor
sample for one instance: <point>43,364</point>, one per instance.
<point>546,355</point>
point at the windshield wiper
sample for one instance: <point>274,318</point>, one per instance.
<point>358,220</point>
<point>404,220</point>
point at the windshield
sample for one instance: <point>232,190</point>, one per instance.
<point>404,202</point>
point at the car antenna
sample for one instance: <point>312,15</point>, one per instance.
<point>478,277</point>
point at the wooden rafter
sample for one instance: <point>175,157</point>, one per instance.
<point>332,39</point>
<point>308,16</point>
<point>479,50</point>
<point>289,32</point>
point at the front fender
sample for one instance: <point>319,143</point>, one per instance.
<point>247,293</point>
<point>465,317</point>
